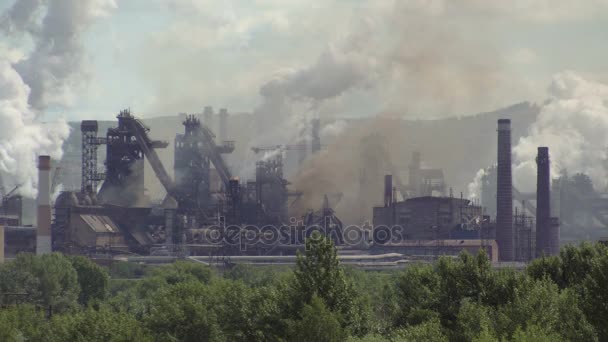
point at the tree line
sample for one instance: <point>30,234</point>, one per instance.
<point>69,298</point>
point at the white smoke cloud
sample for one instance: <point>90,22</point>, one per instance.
<point>333,129</point>
<point>332,74</point>
<point>474,188</point>
<point>56,66</point>
<point>290,100</point>
<point>573,124</point>
<point>22,137</point>
<point>46,75</point>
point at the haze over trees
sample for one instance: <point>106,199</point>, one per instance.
<point>61,298</point>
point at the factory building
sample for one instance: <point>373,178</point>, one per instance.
<point>431,226</point>
<point>112,214</point>
<point>431,218</point>
<point>203,197</point>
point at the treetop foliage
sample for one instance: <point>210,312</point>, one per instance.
<point>60,298</point>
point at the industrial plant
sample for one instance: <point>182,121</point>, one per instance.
<point>208,213</point>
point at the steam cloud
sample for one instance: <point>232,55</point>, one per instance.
<point>291,99</point>
<point>47,75</point>
<point>572,124</point>
<point>21,136</point>
<point>416,62</point>
<point>296,92</point>
<point>56,65</point>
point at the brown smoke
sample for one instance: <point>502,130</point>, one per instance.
<point>354,166</point>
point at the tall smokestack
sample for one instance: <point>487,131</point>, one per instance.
<point>504,193</point>
<point>554,228</point>
<point>223,125</point>
<point>543,204</point>
<point>315,135</point>
<point>388,190</point>
<point>43,233</point>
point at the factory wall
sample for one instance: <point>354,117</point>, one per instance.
<point>429,218</point>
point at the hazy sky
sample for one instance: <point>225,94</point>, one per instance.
<point>418,58</point>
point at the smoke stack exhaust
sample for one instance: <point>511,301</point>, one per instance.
<point>388,190</point>
<point>223,125</point>
<point>504,193</point>
<point>43,232</point>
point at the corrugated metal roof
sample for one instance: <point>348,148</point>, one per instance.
<point>100,223</point>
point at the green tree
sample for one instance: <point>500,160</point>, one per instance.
<point>417,295</point>
<point>540,303</point>
<point>92,278</point>
<point>595,295</point>
<point>474,321</point>
<point>183,312</point>
<point>428,331</point>
<point>183,271</point>
<point>318,273</point>
<point>49,280</point>
<point>318,323</point>
<point>90,325</point>
<point>549,267</point>
<point>568,269</point>
<point>257,276</point>
<point>21,323</point>
<point>468,277</point>
<point>534,333</point>
<point>245,313</point>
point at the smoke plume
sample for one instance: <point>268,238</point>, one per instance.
<point>474,188</point>
<point>55,67</point>
<point>296,92</point>
<point>22,137</point>
<point>419,63</point>
<point>573,124</point>
<point>47,75</point>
